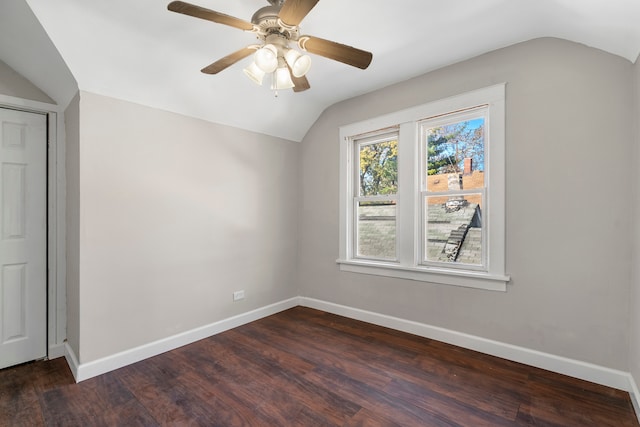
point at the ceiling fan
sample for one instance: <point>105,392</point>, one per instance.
<point>276,26</point>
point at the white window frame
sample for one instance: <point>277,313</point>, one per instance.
<point>358,142</point>
<point>452,117</point>
<point>409,197</point>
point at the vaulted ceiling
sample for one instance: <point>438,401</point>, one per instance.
<point>140,52</point>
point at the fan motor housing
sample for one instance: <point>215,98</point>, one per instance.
<point>267,21</point>
<point>265,13</point>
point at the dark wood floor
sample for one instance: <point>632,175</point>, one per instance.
<point>304,367</point>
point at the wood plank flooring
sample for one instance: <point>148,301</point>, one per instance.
<point>304,367</point>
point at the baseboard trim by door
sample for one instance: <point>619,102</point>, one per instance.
<point>562,365</point>
<point>56,351</point>
<point>84,371</point>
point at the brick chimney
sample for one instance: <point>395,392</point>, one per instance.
<point>468,165</point>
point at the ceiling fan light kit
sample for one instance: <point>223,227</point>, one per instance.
<point>254,73</point>
<point>266,58</point>
<point>299,63</point>
<point>276,26</point>
<point>282,79</point>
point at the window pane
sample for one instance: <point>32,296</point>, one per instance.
<point>377,230</point>
<point>454,229</point>
<point>378,168</point>
<point>455,156</point>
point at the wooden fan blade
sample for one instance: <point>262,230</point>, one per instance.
<point>228,60</point>
<point>294,11</point>
<point>209,15</point>
<point>300,83</point>
<point>336,51</point>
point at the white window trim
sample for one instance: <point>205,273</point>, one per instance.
<point>409,265</point>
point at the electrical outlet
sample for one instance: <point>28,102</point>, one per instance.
<point>238,295</point>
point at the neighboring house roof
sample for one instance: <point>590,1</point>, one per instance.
<point>454,232</point>
<point>439,182</point>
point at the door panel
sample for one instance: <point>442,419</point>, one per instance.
<point>13,200</point>
<point>13,303</point>
<point>23,287</point>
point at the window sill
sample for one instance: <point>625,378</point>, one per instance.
<point>469,279</point>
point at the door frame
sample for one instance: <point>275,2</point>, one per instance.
<point>56,219</point>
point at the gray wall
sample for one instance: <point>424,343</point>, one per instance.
<point>569,110</point>
<point>634,334</point>
<point>72,161</point>
<point>14,84</point>
<point>175,214</point>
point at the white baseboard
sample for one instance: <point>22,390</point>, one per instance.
<point>55,351</point>
<point>72,360</point>
<point>634,393</point>
<point>573,368</point>
<point>84,371</point>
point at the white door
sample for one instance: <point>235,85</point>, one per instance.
<point>23,220</point>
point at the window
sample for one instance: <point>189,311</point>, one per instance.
<point>376,196</point>
<point>453,189</point>
<point>422,192</point>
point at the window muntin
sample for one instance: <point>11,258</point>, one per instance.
<point>453,148</point>
<point>376,197</point>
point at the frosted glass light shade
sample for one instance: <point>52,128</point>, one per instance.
<point>254,73</point>
<point>267,58</point>
<point>282,79</point>
<point>299,63</point>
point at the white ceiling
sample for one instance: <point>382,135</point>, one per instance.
<point>140,52</point>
